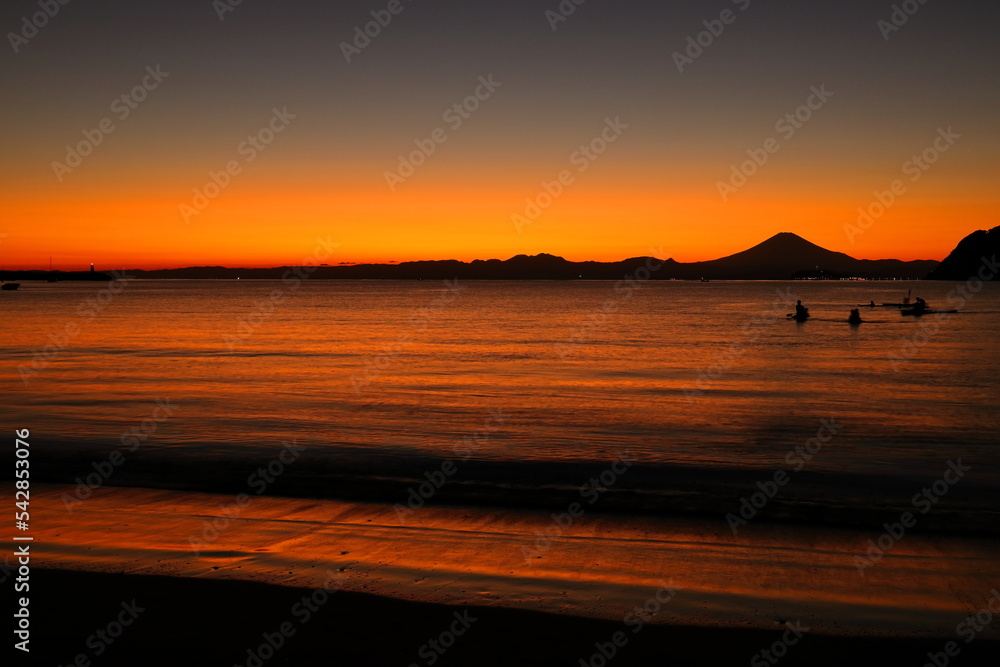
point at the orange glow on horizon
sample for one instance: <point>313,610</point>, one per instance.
<point>267,219</point>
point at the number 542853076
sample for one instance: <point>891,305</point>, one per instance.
<point>21,473</point>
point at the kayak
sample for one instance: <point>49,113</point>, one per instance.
<point>798,318</point>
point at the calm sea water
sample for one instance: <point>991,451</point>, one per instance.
<point>707,386</point>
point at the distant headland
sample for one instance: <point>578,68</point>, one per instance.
<point>784,256</point>
<point>57,276</point>
<point>781,257</point>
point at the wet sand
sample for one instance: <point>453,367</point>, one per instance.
<point>401,577</point>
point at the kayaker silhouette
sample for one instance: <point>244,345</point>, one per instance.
<point>855,317</point>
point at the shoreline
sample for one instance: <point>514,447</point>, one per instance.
<point>211,622</point>
<point>856,500</point>
<point>599,566</point>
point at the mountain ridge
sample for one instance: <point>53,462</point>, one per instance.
<point>780,257</point>
<point>972,254</point>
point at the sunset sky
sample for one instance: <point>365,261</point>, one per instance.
<point>655,190</point>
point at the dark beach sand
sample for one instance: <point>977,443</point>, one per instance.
<point>402,581</point>
<point>213,622</point>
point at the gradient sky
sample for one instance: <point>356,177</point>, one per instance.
<point>654,187</point>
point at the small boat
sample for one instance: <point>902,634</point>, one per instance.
<point>9,287</point>
<point>704,280</point>
<point>924,311</point>
<point>798,318</point>
<point>905,304</point>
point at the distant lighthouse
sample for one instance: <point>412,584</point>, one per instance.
<point>91,267</point>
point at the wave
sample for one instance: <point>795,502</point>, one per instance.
<point>615,485</point>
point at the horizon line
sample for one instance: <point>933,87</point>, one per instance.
<point>176,267</point>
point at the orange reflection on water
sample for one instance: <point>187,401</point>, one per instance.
<point>600,567</point>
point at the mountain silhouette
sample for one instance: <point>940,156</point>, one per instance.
<point>786,254</point>
<point>971,253</point>
<point>780,257</point>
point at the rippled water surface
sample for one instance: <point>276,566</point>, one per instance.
<point>677,374</point>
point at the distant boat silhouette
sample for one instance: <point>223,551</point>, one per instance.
<point>905,303</point>
<point>9,287</point>
<point>704,280</point>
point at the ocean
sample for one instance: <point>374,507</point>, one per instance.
<point>505,394</point>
